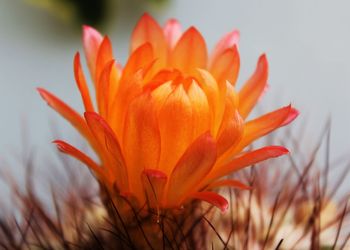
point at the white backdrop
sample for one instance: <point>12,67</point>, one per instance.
<point>307,43</point>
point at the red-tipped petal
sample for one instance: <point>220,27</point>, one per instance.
<point>111,154</point>
<point>226,42</point>
<point>81,83</point>
<point>253,88</point>
<point>212,198</point>
<point>74,152</point>
<point>265,124</point>
<point>91,41</point>
<point>293,114</point>
<point>154,182</point>
<point>190,52</point>
<point>67,112</point>
<point>229,183</point>
<point>193,166</point>
<point>225,66</point>
<point>104,56</point>
<point>247,159</point>
<point>172,32</point>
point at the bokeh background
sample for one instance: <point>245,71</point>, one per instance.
<point>306,41</point>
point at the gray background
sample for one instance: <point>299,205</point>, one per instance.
<point>307,43</point>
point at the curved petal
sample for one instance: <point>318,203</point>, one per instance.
<point>74,152</point>
<point>253,88</point>
<point>91,42</point>
<point>225,66</point>
<point>104,56</point>
<point>265,124</point>
<point>81,83</point>
<point>112,155</point>
<point>212,198</point>
<point>148,30</point>
<point>172,32</point>
<point>229,183</point>
<point>228,41</point>
<point>245,160</point>
<point>193,166</point>
<point>190,52</point>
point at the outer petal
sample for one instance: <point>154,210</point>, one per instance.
<point>265,124</point>
<point>190,52</point>
<point>154,182</point>
<point>148,30</point>
<point>72,151</point>
<point>226,42</point>
<point>246,159</point>
<point>104,56</point>
<point>225,66</point>
<point>253,88</point>
<point>172,32</point>
<point>112,156</point>
<point>228,183</point>
<point>193,166</point>
<point>68,113</point>
<point>212,198</point>
<point>176,128</point>
<point>141,138</point>
<point>91,41</point>
<point>82,85</point>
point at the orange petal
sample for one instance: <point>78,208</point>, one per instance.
<point>68,113</point>
<point>172,32</point>
<point>140,58</point>
<point>190,52</point>
<point>112,156</point>
<point>141,138</point>
<point>154,182</point>
<point>74,152</point>
<point>229,183</point>
<point>231,133</point>
<point>81,83</point>
<point>225,66</point>
<point>293,114</point>
<point>176,128</point>
<point>104,56</point>
<point>103,97</point>
<point>247,159</point>
<point>265,124</point>
<point>91,41</point>
<point>148,30</point>
<point>226,42</point>
<point>212,198</point>
<point>253,88</point>
<point>201,115</point>
<point>193,166</point>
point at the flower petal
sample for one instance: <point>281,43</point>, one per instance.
<point>74,152</point>
<point>141,138</point>
<point>68,113</point>
<point>245,160</point>
<point>91,41</point>
<point>154,182</point>
<point>112,155</point>
<point>212,198</point>
<point>172,32</point>
<point>190,52</point>
<point>193,166</point>
<point>176,128</point>
<point>104,56</point>
<point>265,124</point>
<point>81,83</point>
<point>253,88</point>
<point>148,30</point>
<point>228,41</point>
<point>225,66</point>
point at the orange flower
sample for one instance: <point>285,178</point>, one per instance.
<point>169,124</point>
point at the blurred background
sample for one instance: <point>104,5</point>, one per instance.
<point>306,41</point>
